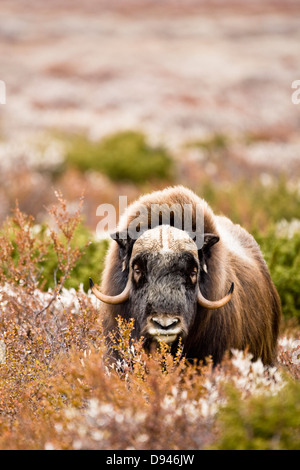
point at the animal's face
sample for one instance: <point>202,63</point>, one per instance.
<point>163,287</point>
<point>163,296</point>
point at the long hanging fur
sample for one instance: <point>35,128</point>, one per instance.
<point>250,320</point>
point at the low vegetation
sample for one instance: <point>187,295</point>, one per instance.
<point>60,391</point>
<point>124,156</point>
<point>58,388</point>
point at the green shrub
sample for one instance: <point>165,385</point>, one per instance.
<point>261,422</point>
<point>282,255</point>
<point>253,204</point>
<point>90,264</point>
<point>124,156</point>
<point>46,258</point>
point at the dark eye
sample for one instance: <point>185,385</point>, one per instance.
<point>137,272</point>
<point>193,275</point>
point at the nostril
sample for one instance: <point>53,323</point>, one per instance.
<point>165,323</point>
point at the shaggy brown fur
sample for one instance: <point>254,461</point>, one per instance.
<point>250,320</point>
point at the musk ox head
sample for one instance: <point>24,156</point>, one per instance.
<point>163,286</point>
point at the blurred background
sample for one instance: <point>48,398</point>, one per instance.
<point>117,98</point>
<point>122,97</point>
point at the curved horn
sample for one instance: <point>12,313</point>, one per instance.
<point>111,299</point>
<point>212,304</point>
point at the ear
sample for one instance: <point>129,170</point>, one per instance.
<point>210,239</point>
<point>125,243</point>
<point>122,238</point>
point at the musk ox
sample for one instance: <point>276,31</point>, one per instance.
<point>216,294</point>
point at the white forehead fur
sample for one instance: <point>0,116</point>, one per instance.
<point>164,239</point>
